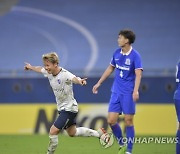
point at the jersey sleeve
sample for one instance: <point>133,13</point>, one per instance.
<point>44,72</point>
<point>138,62</point>
<point>69,76</point>
<point>112,62</point>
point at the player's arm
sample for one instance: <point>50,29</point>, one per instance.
<point>33,68</point>
<point>178,73</point>
<point>138,73</point>
<point>78,80</point>
<point>105,75</point>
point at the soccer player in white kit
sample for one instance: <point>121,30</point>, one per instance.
<point>61,82</point>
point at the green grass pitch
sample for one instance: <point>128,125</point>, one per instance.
<point>37,144</point>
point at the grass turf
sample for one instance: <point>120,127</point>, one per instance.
<point>37,144</point>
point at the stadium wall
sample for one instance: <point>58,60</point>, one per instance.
<point>27,106</point>
<point>33,90</point>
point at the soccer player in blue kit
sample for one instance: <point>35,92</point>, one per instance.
<point>177,105</point>
<point>128,71</point>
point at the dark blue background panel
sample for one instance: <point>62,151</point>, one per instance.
<point>38,90</point>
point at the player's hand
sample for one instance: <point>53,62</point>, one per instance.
<point>135,96</point>
<point>27,66</point>
<point>83,81</point>
<point>95,88</point>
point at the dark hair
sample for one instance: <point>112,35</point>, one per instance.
<point>129,34</point>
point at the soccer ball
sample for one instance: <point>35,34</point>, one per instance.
<point>106,140</point>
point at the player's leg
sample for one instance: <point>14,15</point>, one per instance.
<point>177,106</point>
<point>58,125</point>
<point>53,139</point>
<point>106,139</point>
<point>130,132</point>
<point>113,115</point>
<point>129,111</point>
<point>81,131</point>
<point>115,127</point>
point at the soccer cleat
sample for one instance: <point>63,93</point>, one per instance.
<point>128,153</point>
<point>122,150</point>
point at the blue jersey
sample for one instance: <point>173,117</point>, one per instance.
<point>177,92</point>
<point>125,66</point>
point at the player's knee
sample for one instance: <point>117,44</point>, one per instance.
<point>128,122</point>
<point>53,131</point>
<point>111,122</point>
<point>71,134</point>
<point>179,126</point>
<point>71,131</point>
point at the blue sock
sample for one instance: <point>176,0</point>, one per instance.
<point>178,144</point>
<point>117,133</point>
<point>130,133</point>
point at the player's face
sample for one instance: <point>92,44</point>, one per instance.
<point>122,41</point>
<point>49,67</point>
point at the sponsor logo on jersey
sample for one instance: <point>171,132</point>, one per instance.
<point>122,67</point>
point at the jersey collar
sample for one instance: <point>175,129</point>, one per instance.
<point>127,53</point>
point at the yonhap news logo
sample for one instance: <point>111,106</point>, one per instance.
<point>148,140</point>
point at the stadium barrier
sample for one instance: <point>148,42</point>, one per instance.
<point>25,90</point>
<point>151,119</point>
<point>27,105</point>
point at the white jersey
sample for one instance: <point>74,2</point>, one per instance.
<point>63,90</point>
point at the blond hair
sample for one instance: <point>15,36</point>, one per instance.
<point>52,57</point>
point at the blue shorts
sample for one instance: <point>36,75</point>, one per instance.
<point>65,120</point>
<point>177,106</point>
<point>122,103</point>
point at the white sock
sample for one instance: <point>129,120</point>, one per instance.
<point>53,142</point>
<point>82,131</point>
